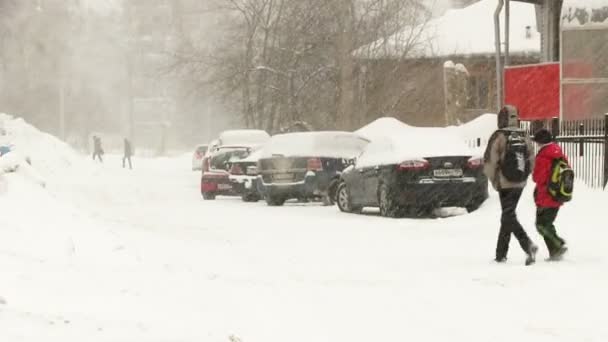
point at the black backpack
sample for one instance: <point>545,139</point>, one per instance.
<point>561,183</point>
<point>515,166</point>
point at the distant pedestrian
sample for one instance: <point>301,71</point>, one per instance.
<point>97,149</point>
<point>554,183</point>
<point>508,163</point>
<point>127,154</point>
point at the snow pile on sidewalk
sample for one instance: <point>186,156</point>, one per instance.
<point>47,155</point>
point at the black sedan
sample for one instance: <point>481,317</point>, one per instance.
<point>414,187</point>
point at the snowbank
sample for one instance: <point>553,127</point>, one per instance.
<point>480,127</point>
<point>382,127</point>
<point>315,144</point>
<point>48,155</point>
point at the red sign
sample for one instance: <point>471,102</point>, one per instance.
<point>534,90</point>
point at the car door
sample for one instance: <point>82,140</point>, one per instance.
<point>355,183</point>
<point>371,175</point>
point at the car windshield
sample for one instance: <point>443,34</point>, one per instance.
<point>201,149</point>
<point>221,160</point>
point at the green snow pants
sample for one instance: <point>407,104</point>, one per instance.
<point>545,217</point>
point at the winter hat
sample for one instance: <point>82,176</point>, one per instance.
<point>543,136</point>
<point>508,116</point>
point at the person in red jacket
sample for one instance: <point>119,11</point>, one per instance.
<point>546,207</point>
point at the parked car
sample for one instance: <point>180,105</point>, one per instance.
<point>197,157</point>
<point>243,137</point>
<point>304,165</point>
<point>413,173</point>
<point>215,179</point>
<point>244,177</point>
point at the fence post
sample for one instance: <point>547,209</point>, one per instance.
<point>581,141</point>
<point>605,150</point>
<point>555,127</point>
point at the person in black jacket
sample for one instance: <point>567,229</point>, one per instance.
<point>128,152</point>
<point>509,187</point>
<point>97,149</point>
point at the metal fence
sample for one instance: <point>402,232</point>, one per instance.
<point>585,143</point>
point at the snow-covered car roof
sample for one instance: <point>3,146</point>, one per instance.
<point>393,142</point>
<point>243,137</point>
<point>254,156</point>
<point>329,144</point>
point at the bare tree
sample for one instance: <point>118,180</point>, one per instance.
<point>286,61</point>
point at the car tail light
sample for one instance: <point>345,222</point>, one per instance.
<point>314,164</point>
<point>198,155</point>
<point>236,170</point>
<point>414,165</point>
<point>475,163</point>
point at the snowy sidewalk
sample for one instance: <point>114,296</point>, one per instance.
<point>106,254</point>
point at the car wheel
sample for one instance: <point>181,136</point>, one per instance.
<point>474,204</point>
<point>208,196</point>
<point>275,201</point>
<point>332,192</point>
<point>250,198</point>
<point>344,201</point>
<point>388,207</point>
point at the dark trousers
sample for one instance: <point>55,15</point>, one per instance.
<point>545,217</point>
<point>509,198</point>
<point>124,159</point>
<point>98,155</point>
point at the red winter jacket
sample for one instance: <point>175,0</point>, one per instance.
<point>542,174</point>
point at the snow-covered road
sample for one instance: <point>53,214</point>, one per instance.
<point>106,254</point>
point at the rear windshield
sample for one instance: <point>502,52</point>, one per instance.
<point>201,149</point>
<point>221,160</point>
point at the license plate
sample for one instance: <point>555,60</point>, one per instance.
<point>448,173</point>
<point>283,177</point>
<point>224,186</point>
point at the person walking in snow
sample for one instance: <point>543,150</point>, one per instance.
<point>128,152</point>
<point>508,162</point>
<point>547,206</point>
<point>97,149</point>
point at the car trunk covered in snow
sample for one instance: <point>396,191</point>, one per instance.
<point>393,142</point>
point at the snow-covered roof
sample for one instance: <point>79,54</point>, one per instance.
<point>393,142</point>
<point>328,144</point>
<point>466,31</point>
<point>584,13</point>
<point>243,137</point>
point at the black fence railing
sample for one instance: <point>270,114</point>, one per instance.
<point>585,143</point>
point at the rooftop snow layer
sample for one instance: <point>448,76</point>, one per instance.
<point>467,31</point>
<point>328,144</point>
<point>577,13</point>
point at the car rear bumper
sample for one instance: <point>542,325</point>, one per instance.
<point>217,184</point>
<point>314,184</point>
<point>443,193</point>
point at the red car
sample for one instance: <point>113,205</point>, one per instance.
<point>215,180</point>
